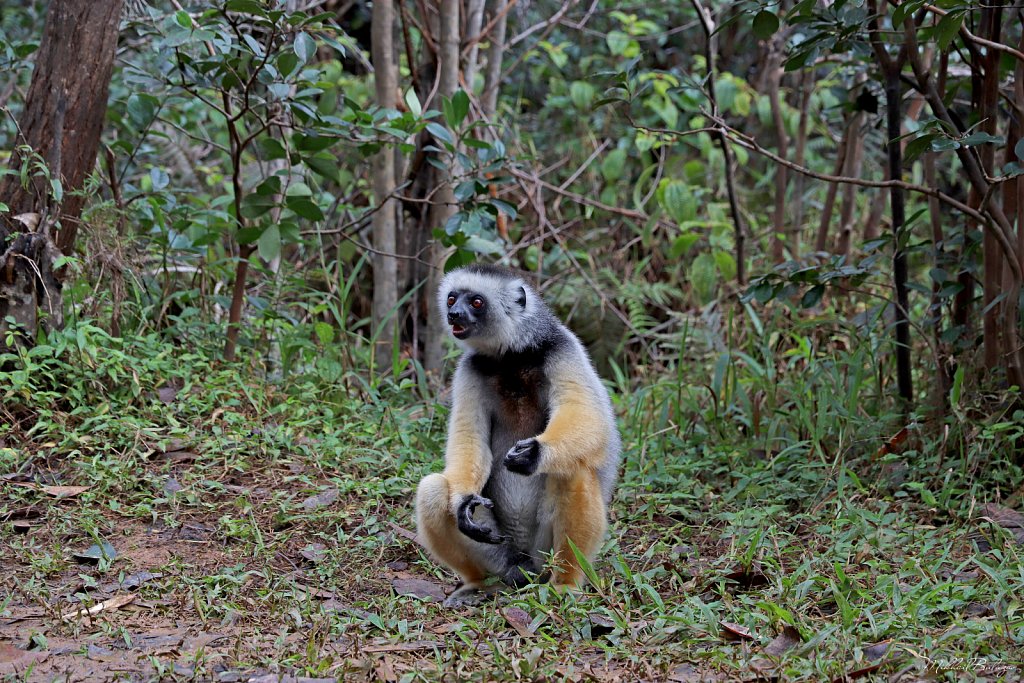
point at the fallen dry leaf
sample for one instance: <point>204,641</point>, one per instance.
<point>687,673</point>
<point>410,646</point>
<point>404,533</point>
<point>55,491</point>
<point>166,394</point>
<point>894,442</point>
<point>384,669</point>
<point>419,588</point>
<point>14,660</point>
<point>27,512</point>
<point>314,553</point>
<point>22,526</point>
<point>787,639</point>
<point>747,578</point>
<point>64,491</point>
<point>131,581</point>
<point>111,604</point>
<point>1011,520</point>
<point>731,631</point>
<point>96,552</point>
<point>518,619</point>
<point>600,625</point>
<point>875,656</point>
<point>320,500</point>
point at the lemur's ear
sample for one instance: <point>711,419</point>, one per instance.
<point>522,297</point>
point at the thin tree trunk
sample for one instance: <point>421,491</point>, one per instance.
<point>874,217</point>
<point>62,121</point>
<point>992,276</point>
<point>779,229</point>
<point>934,320</point>
<point>1013,200</point>
<point>805,88</point>
<point>443,206</point>
<point>821,240</point>
<point>495,53</point>
<point>385,267</point>
<point>474,24</point>
<point>853,168</point>
<point>891,68</point>
<point>893,96</point>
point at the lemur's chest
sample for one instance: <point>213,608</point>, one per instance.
<point>518,389</point>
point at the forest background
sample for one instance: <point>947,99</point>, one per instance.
<point>790,234</point>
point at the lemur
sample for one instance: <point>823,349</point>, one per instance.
<point>533,448</point>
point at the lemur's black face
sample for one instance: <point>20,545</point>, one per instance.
<point>467,313</point>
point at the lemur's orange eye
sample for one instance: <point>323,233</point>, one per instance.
<point>477,303</point>
<point>451,301</point>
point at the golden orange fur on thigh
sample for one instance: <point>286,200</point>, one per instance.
<point>439,532</point>
<point>580,516</point>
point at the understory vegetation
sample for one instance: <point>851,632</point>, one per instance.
<point>789,234</point>
<point>771,520</point>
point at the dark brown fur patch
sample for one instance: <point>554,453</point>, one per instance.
<point>519,383</point>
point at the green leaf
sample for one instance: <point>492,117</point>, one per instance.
<point>271,148</point>
<point>618,42</point>
<point>957,388</point>
<point>269,244</point>
<point>324,332</point>
<point>269,187</point>
<point>323,163</point>
<point>248,235</point>
<point>304,46</point>
<point>919,146</point>
<point>1018,149</point>
<point>582,94</point>
<point>980,138</point>
<point>679,201</point>
<point>142,108</point>
<point>812,296</point>
<point>182,19</point>
<point>159,178</point>
<point>305,207</point>
<point>703,274</point>
<point>765,24</point>
<point>255,205</point>
<point>465,190</point>
<point>248,6</point>
<point>613,164</point>
<point>726,264</point>
<point>286,63</point>
<point>947,29</point>
<point>413,102</point>
<point>440,133</point>
<point>460,107</point>
<point>682,244</point>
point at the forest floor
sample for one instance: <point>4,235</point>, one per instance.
<point>248,532</point>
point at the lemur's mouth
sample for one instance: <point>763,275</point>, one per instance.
<point>459,331</point>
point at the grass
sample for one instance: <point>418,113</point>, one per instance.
<point>764,526</point>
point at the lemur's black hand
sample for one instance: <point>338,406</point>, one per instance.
<point>524,457</point>
<point>478,532</point>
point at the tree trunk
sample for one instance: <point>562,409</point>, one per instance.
<point>821,240</point>
<point>780,235</point>
<point>854,165</point>
<point>61,123</point>
<point>442,206</point>
<point>891,68</point>
<point>474,24</point>
<point>385,267</point>
<point>992,275</point>
<point>495,52</point>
